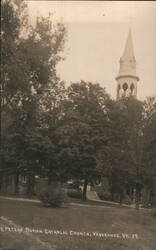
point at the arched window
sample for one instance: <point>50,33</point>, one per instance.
<point>132,88</point>
<point>125,86</point>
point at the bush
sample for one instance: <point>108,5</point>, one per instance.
<point>103,195</point>
<point>127,200</point>
<point>52,195</point>
<point>74,193</point>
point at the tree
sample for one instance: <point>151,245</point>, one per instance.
<point>28,60</point>
<point>51,105</point>
<point>28,69</point>
<point>124,150</point>
<point>114,160</point>
<point>135,145</point>
<point>81,131</point>
<point>149,144</point>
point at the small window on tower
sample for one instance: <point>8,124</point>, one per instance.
<point>132,88</point>
<point>125,86</point>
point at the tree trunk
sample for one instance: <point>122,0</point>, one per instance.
<point>31,185</point>
<point>131,193</point>
<point>112,193</point>
<point>49,179</point>
<point>1,181</point>
<point>53,179</point>
<point>121,198</point>
<point>16,183</point>
<point>151,198</point>
<point>6,181</point>
<point>137,197</point>
<point>84,193</point>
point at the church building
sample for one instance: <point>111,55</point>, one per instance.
<point>127,78</point>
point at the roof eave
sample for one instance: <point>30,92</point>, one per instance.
<point>127,75</point>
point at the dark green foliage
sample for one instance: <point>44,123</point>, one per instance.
<point>127,200</point>
<point>52,195</point>
<point>29,59</point>
<point>81,131</point>
<point>103,195</point>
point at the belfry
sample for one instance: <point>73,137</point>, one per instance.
<point>127,78</point>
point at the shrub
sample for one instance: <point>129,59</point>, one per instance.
<point>127,200</point>
<point>74,193</point>
<point>103,195</point>
<point>52,195</point>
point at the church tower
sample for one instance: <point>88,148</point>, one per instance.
<point>127,78</point>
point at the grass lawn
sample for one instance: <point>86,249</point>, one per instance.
<point>75,227</point>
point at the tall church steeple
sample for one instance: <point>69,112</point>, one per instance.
<point>127,78</point>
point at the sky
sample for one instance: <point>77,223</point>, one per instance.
<point>96,36</point>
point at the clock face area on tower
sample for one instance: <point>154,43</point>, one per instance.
<point>127,78</point>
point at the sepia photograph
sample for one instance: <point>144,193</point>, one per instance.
<point>78,125</point>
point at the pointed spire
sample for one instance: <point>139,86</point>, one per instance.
<point>128,51</point>
<point>127,61</point>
